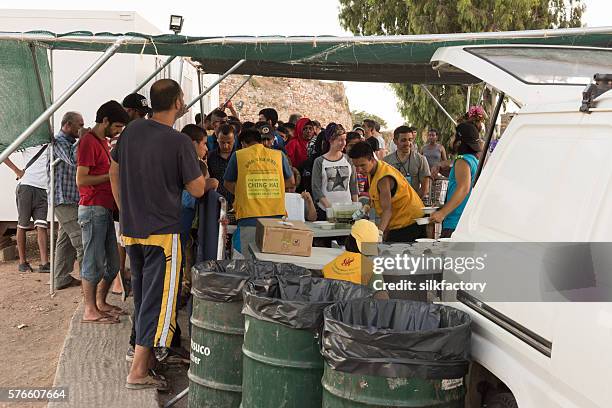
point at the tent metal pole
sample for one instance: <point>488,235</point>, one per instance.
<point>200,80</point>
<point>51,73</point>
<point>110,51</point>
<point>180,75</point>
<point>439,104</point>
<point>214,84</point>
<point>484,89</point>
<point>229,98</point>
<point>490,130</point>
<point>51,172</point>
<point>52,188</point>
<point>154,74</point>
<point>425,38</point>
<point>222,229</point>
<point>52,217</point>
<point>469,96</point>
<point>177,398</point>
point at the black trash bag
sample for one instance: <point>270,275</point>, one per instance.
<point>223,281</point>
<point>297,302</point>
<point>396,339</point>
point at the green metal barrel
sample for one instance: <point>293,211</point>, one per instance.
<point>282,366</point>
<point>215,373</point>
<point>345,390</point>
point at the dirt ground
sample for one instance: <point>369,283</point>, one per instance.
<point>29,355</point>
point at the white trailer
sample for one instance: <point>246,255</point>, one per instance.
<point>113,81</point>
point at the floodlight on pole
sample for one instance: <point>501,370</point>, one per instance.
<point>176,23</point>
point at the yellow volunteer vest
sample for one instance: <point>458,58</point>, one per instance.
<point>350,266</point>
<point>406,203</point>
<point>260,188</point>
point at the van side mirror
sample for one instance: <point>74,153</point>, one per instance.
<point>602,83</point>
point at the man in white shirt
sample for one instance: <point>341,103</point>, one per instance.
<point>32,204</point>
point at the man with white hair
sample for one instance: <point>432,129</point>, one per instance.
<point>69,245</point>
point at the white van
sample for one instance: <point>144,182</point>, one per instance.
<point>548,180</point>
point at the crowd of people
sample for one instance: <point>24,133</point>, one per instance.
<point>129,185</point>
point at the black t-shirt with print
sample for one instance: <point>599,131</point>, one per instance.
<point>155,162</point>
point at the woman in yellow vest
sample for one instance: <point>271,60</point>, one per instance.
<point>256,176</point>
<point>353,265</point>
<point>396,203</point>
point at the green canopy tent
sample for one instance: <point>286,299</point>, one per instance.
<point>369,59</point>
<point>25,76</point>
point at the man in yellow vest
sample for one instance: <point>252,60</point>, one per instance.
<point>256,176</point>
<point>396,203</point>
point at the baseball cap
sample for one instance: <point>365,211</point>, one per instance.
<point>367,237</point>
<point>136,101</point>
<point>469,135</point>
<point>267,131</point>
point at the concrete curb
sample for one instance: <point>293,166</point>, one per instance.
<point>92,365</point>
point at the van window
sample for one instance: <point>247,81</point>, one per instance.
<point>548,66</point>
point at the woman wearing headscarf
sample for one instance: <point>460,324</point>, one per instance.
<point>316,147</point>
<point>467,145</point>
<point>297,148</point>
<point>333,177</point>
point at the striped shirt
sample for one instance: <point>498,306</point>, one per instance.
<point>66,191</point>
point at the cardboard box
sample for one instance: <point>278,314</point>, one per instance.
<point>275,236</point>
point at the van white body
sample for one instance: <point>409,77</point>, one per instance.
<point>117,78</point>
<point>548,180</point>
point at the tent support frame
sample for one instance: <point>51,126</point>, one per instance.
<point>215,83</point>
<point>439,104</point>
<point>177,398</point>
<point>154,74</point>
<point>51,172</point>
<point>200,80</point>
<point>76,85</point>
<point>229,98</point>
<point>44,117</point>
<point>52,188</point>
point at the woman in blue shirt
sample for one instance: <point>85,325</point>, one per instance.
<point>467,144</point>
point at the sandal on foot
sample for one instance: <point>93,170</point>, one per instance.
<point>102,320</point>
<point>115,311</point>
<point>148,382</point>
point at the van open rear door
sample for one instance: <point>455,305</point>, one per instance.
<point>528,74</point>
<point>548,180</point>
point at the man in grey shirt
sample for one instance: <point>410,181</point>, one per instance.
<point>409,161</point>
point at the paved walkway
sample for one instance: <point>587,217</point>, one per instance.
<point>92,365</point>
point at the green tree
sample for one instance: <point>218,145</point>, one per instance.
<point>394,17</point>
<point>359,116</point>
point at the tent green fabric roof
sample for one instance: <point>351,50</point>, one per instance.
<point>371,59</point>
